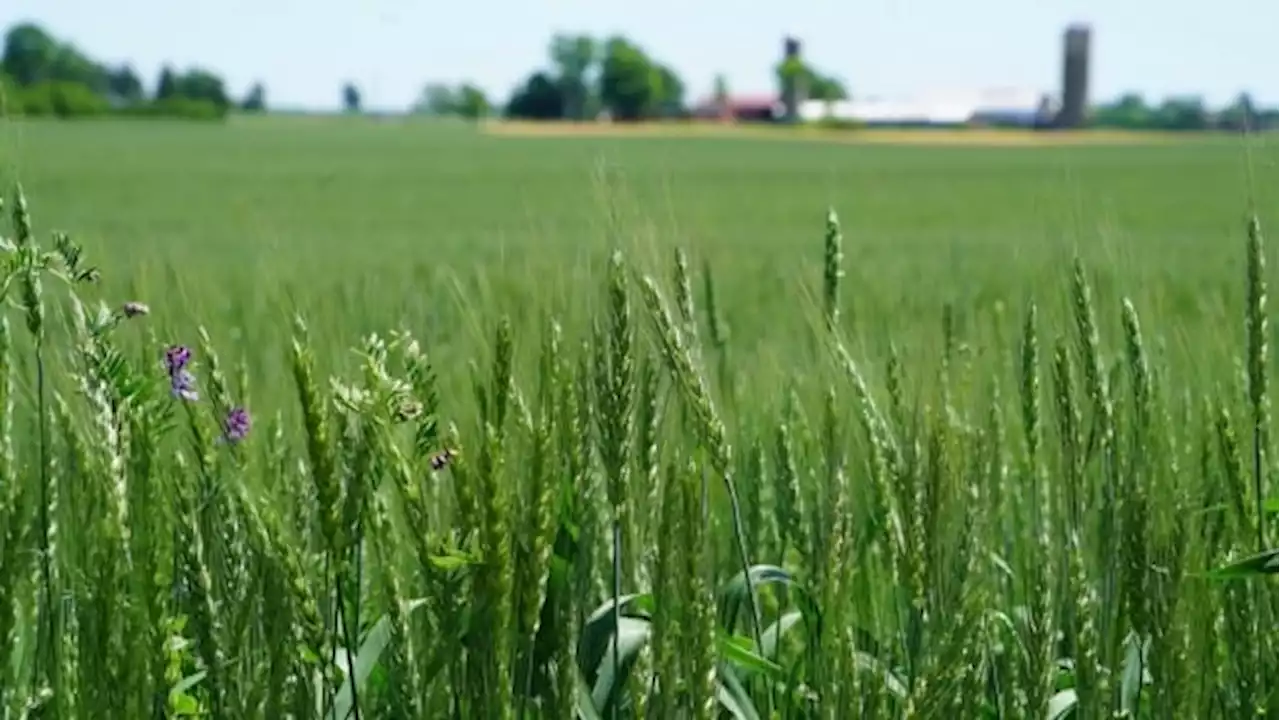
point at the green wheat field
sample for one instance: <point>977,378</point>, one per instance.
<point>418,422</point>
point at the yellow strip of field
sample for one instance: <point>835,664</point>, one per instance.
<point>971,137</point>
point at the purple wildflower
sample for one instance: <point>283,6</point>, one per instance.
<point>237,424</point>
<point>176,358</point>
<point>182,384</point>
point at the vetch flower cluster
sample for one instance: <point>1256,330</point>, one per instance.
<point>182,384</point>
<point>236,426</point>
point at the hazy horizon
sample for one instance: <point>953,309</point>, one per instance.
<point>391,48</point>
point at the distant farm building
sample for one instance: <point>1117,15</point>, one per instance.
<point>1003,107</point>
<point>741,108</point>
<point>992,107</point>
<point>1075,77</point>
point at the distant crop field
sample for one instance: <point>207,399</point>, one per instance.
<point>933,425</point>
<point>372,222</point>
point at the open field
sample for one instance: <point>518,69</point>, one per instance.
<point>369,224</point>
<point>955,506</point>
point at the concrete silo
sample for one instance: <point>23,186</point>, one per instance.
<point>794,90</point>
<point>1075,77</point>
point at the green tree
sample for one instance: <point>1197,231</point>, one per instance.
<point>202,85</point>
<point>798,77</point>
<point>32,56</point>
<point>1240,115</point>
<point>255,101</point>
<point>29,55</point>
<point>440,100</point>
<point>574,59</point>
<point>539,98</point>
<point>124,86</point>
<point>629,86</point>
<point>437,99</point>
<point>668,92</point>
<point>1128,112</point>
<point>55,78</point>
<point>351,98</point>
<point>70,65</point>
<point>1182,113</point>
<point>167,85</point>
<point>73,99</point>
<point>825,87</point>
<point>471,102</point>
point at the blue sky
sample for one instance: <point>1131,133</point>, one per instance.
<point>304,49</point>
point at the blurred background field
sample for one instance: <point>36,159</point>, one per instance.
<point>366,224</point>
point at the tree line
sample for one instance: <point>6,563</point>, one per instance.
<point>583,78</point>
<point>1132,112</point>
<point>43,76</point>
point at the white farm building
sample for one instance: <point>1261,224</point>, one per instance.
<point>996,106</point>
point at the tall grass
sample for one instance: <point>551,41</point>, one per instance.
<point>632,534</point>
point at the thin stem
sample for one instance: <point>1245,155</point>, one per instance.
<point>739,537</point>
<point>48,620</point>
<point>1257,483</point>
<point>348,641</point>
<point>328,701</point>
<point>617,611</point>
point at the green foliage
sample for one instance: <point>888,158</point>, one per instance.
<point>1131,112</point>
<point>54,79</point>
<point>465,101</point>
<point>795,73</point>
<point>538,99</point>
<point>351,98</point>
<point>255,101</point>
<point>616,75</point>
<point>63,100</point>
<point>632,87</point>
<point>575,61</point>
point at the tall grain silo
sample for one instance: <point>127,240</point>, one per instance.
<point>794,91</point>
<point>1075,77</point>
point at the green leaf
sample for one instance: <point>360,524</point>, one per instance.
<point>1264,563</point>
<point>184,706</point>
<point>1062,705</point>
<point>597,631</point>
<point>632,635</point>
<point>586,706</point>
<point>866,662</point>
<point>452,561</point>
<point>733,696</point>
<point>738,650</point>
<point>187,683</point>
<point>733,596</point>
<point>362,665</point>
<point>772,635</point>
<point>1133,674</point>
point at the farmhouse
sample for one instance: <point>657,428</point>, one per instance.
<point>762,107</point>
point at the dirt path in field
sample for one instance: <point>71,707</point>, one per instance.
<point>949,137</point>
